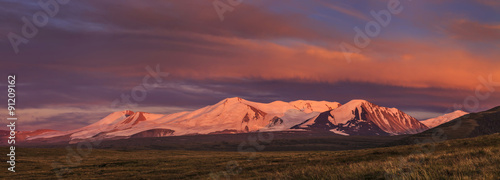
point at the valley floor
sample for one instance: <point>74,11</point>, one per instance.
<point>474,158</point>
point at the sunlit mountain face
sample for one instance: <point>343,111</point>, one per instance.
<point>238,116</point>
<point>250,89</point>
<point>87,60</point>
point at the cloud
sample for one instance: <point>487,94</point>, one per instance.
<point>491,3</point>
<point>93,51</point>
<point>474,31</point>
<point>419,102</point>
<point>345,10</point>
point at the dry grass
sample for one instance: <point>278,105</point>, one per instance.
<point>476,158</point>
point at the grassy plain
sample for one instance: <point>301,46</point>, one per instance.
<point>474,158</point>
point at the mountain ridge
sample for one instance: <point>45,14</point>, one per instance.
<point>237,115</point>
<point>433,122</point>
<point>361,114</point>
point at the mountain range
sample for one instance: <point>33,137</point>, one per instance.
<point>466,126</point>
<point>237,115</point>
<point>433,122</point>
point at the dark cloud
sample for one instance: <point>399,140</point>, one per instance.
<point>474,31</point>
<point>91,52</point>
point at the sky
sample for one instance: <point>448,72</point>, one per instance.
<point>429,57</point>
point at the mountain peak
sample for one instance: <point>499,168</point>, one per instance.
<point>433,122</point>
<point>355,103</point>
<point>359,117</point>
<point>358,102</point>
<point>127,112</point>
<point>459,111</point>
<point>233,99</point>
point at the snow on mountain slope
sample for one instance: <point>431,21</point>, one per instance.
<point>236,115</point>
<point>296,112</point>
<point>308,106</point>
<point>128,120</point>
<point>228,115</point>
<point>360,117</point>
<point>433,122</point>
<point>290,118</point>
<point>114,122</point>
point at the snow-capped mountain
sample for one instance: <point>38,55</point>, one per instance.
<point>236,115</point>
<point>232,115</point>
<point>360,117</point>
<point>433,122</point>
